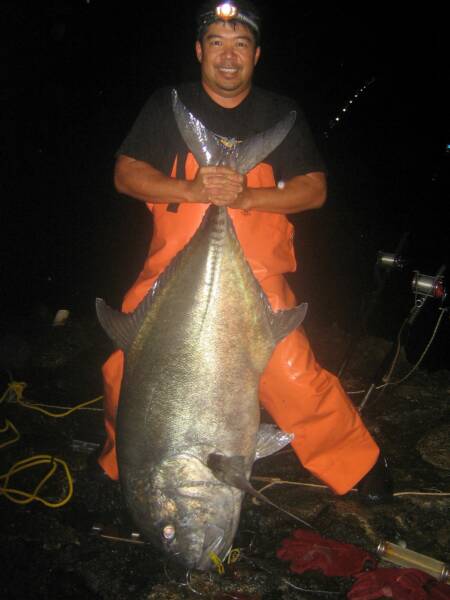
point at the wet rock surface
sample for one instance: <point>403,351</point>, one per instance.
<point>85,549</point>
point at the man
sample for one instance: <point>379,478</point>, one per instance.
<point>155,166</point>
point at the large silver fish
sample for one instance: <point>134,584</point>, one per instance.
<point>188,424</point>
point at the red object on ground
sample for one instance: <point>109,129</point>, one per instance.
<point>400,584</point>
<point>309,551</point>
<point>438,591</point>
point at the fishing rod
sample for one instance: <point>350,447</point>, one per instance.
<point>385,265</point>
<point>424,287</point>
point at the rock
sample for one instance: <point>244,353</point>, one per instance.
<point>434,447</point>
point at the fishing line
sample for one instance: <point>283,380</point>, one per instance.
<point>422,356</point>
<point>283,510</point>
<point>277,481</point>
<point>274,574</point>
<point>443,311</point>
<point>190,586</point>
<point>309,591</point>
<point>438,493</point>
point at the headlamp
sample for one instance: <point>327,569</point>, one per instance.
<point>229,11</point>
<point>226,11</point>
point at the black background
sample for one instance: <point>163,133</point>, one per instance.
<point>74,75</point>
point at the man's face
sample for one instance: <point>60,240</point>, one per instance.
<point>228,56</point>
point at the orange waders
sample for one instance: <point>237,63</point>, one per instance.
<point>302,398</point>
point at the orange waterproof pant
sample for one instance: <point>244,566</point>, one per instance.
<point>304,399</point>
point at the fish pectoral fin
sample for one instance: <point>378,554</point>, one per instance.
<point>270,439</point>
<point>283,322</point>
<point>229,469</point>
<point>120,327</point>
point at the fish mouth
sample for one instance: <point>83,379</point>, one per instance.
<point>212,545</point>
<point>203,510</point>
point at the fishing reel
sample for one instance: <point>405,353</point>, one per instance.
<point>429,286</point>
<point>425,287</point>
<point>389,260</point>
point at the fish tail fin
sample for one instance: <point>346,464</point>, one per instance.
<point>209,150</point>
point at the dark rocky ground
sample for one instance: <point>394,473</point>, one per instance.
<point>53,553</point>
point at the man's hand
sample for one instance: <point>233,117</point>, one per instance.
<point>218,185</point>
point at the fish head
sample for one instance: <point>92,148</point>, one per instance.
<point>196,515</point>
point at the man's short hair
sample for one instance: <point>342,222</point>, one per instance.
<point>247,14</point>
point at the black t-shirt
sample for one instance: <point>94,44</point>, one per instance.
<point>154,137</point>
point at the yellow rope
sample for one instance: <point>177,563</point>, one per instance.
<point>79,407</point>
<point>27,497</point>
<point>18,388</point>
<point>234,556</point>
<point>9,425</point>
<point>217,563</point>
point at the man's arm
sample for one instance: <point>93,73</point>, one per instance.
<point>218,185</point>
<point>141,181</point>
<point>300,193</point>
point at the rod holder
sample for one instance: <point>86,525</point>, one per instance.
<point>413,560</point>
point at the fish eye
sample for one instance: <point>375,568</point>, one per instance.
<point>169,533</point>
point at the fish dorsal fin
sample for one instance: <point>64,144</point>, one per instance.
<point>210,150</point>
<point>283,322</point>
<point>270,439</point>
<point>121,327</point>
<point>230,470</point>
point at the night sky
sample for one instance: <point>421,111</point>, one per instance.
<point>74,74</point>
